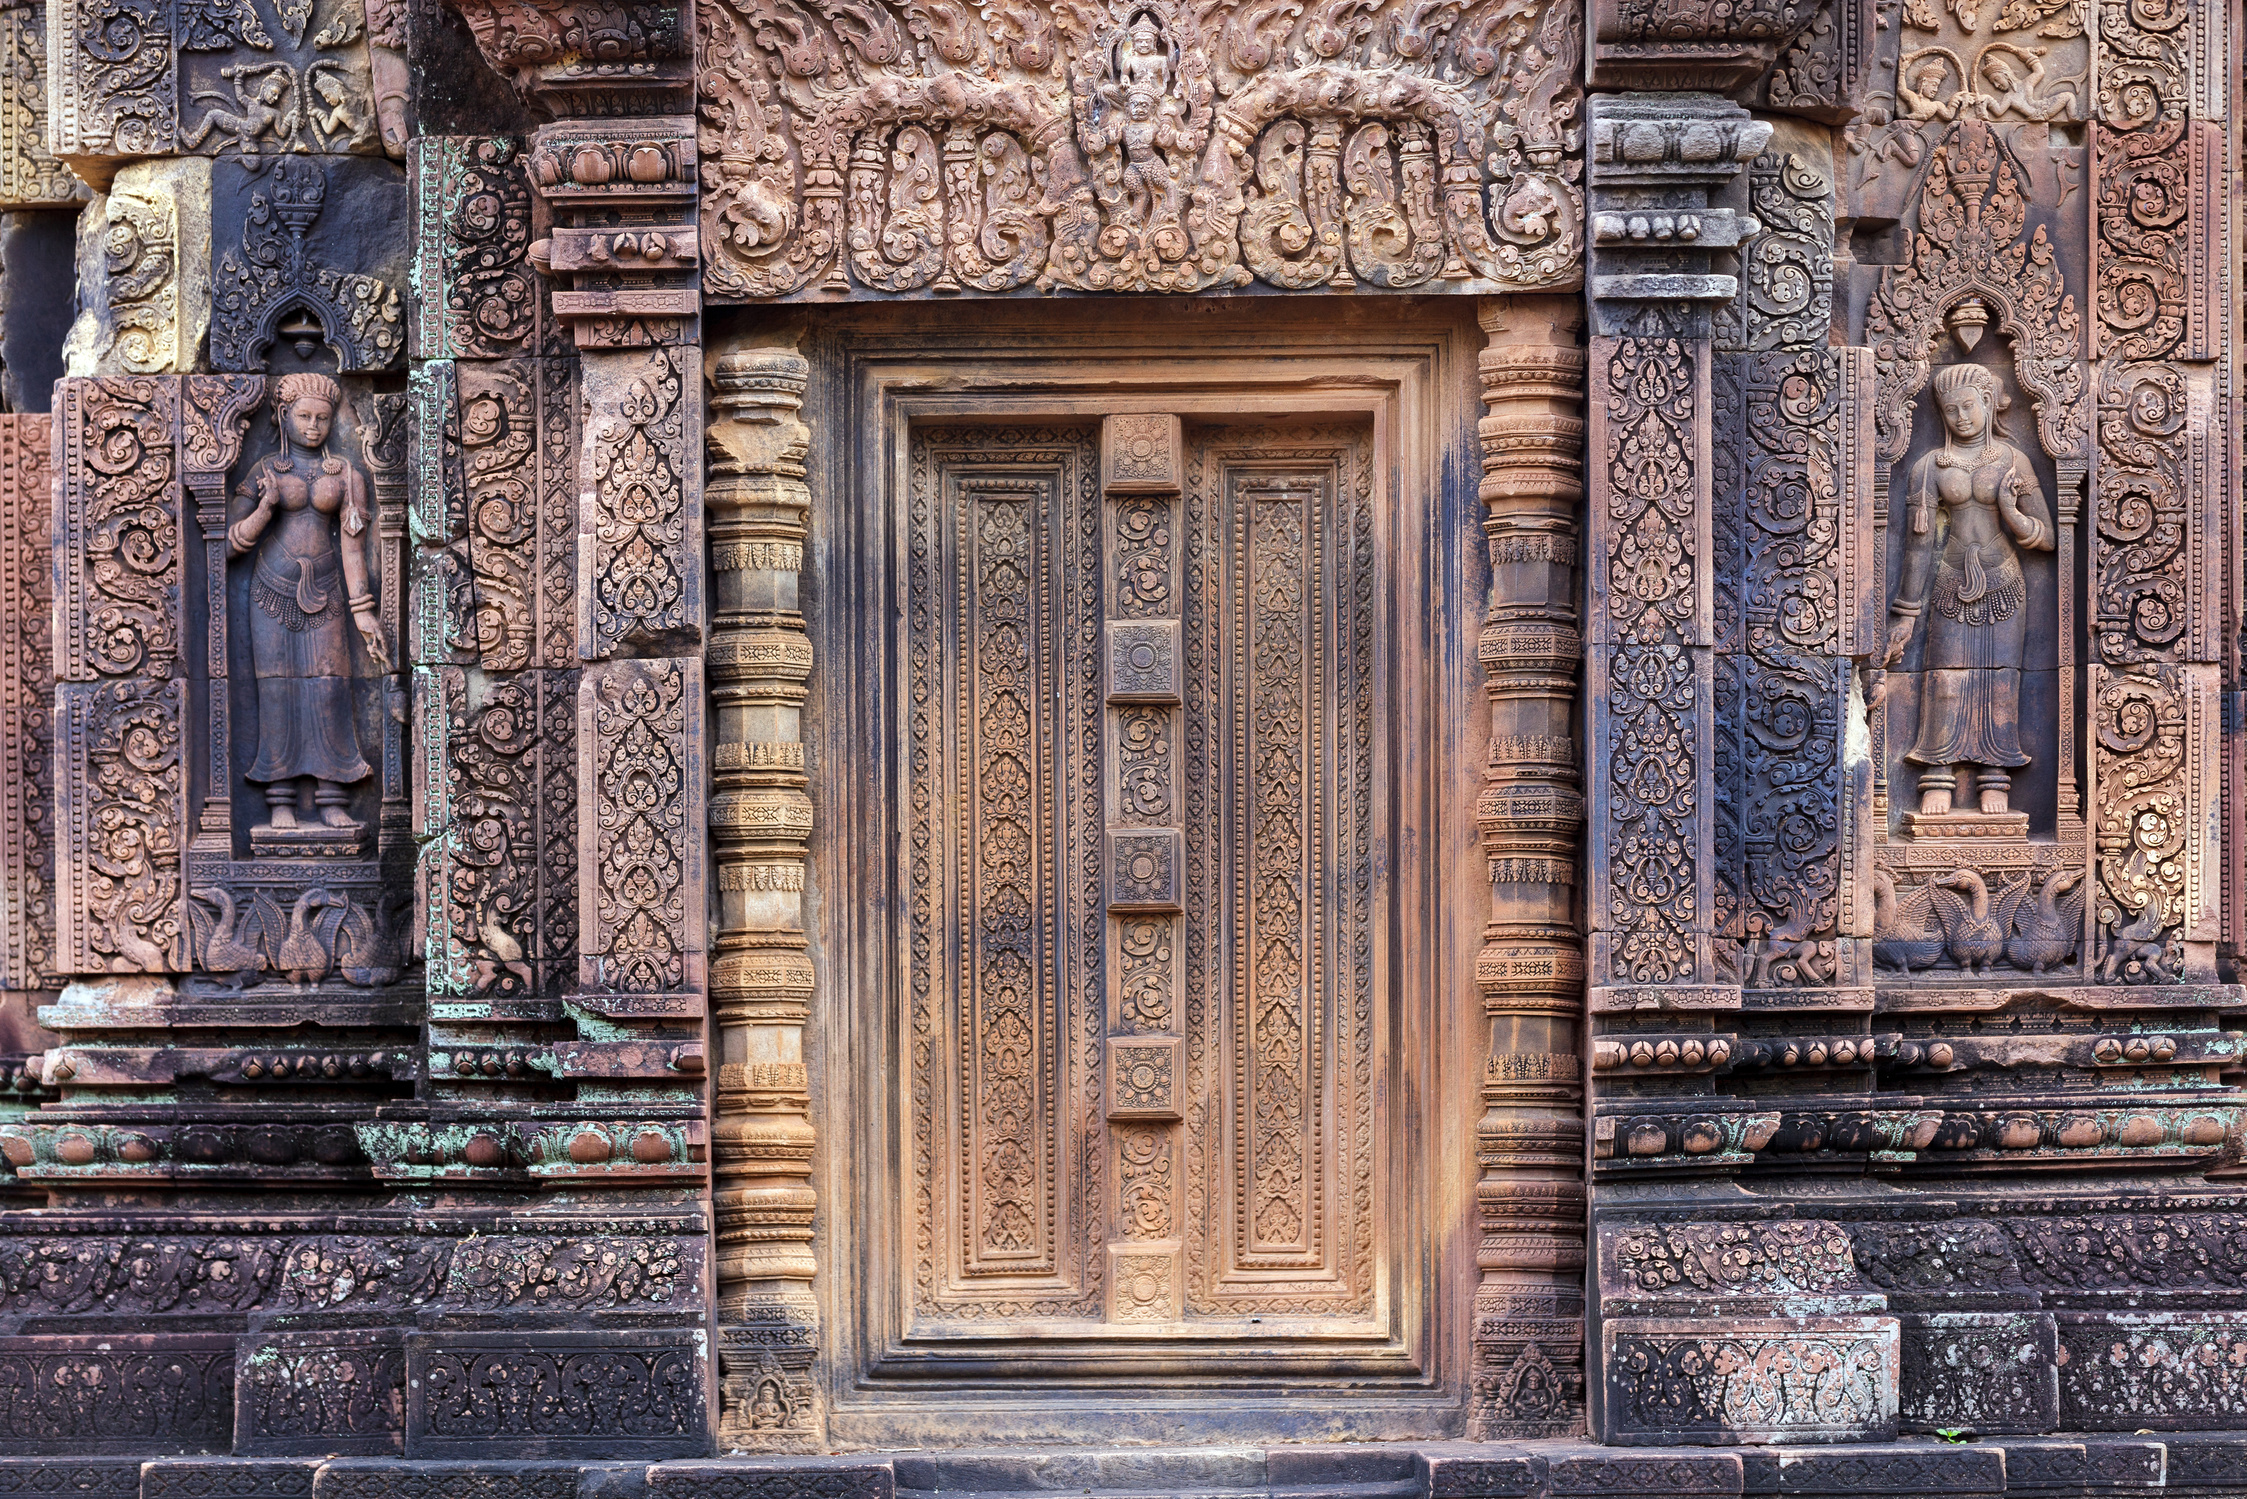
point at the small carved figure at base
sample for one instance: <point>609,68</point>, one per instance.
<point>303,579</point>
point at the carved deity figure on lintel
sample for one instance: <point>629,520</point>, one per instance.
<point>1972,507</point>
<point>1144,116</point>
<point>305,579</point>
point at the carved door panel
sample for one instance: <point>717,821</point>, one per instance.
<point>1145,999</point>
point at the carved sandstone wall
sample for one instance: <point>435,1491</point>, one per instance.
<point>763,728</point>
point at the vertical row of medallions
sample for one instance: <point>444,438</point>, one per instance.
<point>1528,1373</point>
<point>1142,468</point>
<point>760,965</point>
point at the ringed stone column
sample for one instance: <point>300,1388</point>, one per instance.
<point>759,661</point>
<point>1528,1340</point>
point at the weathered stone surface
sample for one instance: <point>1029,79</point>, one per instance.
<point>627,835</point>
<point>144,272</point>
<point>1986,1372</point>
<point>611,1394</point>
<point>308,242</point>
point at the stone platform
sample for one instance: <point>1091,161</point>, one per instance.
<point>2210,1465</point>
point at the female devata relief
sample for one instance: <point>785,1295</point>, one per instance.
<point>1972,507</point>
<point>303,517</point>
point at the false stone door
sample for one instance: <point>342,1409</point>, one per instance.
<point>1144,1019</point>
<point>1144,1008</point>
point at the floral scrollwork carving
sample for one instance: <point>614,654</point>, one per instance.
<point>1654,740</point>
<point>1163,145</point>
<point>1973,241</point>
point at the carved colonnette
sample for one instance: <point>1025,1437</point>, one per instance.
<point>28,957</point>
<point>759,663</point>
<point>1528,1343</point>
<point>30,176</point>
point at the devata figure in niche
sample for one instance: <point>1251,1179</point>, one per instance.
<point>1973,505</point>
<point>303,580</point>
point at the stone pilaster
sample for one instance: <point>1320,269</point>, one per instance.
<point>1528,1340</point>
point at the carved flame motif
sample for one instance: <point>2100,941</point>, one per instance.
<point>1969,244</point>
<point>1148,145</point>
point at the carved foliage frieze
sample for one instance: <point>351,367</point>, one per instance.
<point>121,803</point>
<point>1795,819</point>
<point>1650,571</point>
<point>477,295</point>
<point>607,53</point>
<point>120,760</point>
<point>119,546</point>
<point>27,705</point>
<point>125,1393</point>
<point>339,1391</point>
<point>2157,532</point>
<point>1798,1377</point>
<point>608,1394</point>
<point>518,459</point>
<point>1162,146</point>
<point>640,836</point>
<point>639,552</point>
<point>370,1274</point>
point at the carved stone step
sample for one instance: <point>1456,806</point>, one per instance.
<point>1175,1473</point>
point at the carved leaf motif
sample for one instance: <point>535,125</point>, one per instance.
<point>121,530</point>
<point>1654,743</point>
<point>640,931</point>
<point>124,806</point>
<point>638,526</point>
<point>1971,216</point>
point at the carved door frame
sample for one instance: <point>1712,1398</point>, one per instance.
<point>1411,371</point>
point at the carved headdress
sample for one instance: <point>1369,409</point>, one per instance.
<point>1952,377</point>
<point>290,389</point>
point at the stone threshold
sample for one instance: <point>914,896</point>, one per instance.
<point>2213,1465</point>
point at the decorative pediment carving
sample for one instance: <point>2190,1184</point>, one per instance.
<point>1974,256</point>
<point>1142,145</point>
